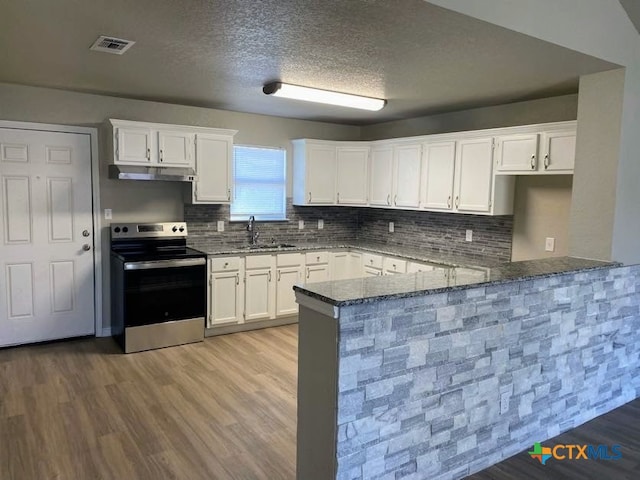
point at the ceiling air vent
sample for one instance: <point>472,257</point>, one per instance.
<point>111,45</point>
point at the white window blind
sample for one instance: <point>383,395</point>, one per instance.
<point>259,183</point>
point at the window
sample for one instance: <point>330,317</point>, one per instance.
<point>259,183</point>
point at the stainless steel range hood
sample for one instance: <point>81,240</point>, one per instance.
<point>167,174</point>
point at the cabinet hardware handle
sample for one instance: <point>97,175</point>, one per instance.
<point>237,279</point>
<point>161,155</point>
<point>533,162</point>
<point>309,197</point>
<point>279,275</point>
<point>269,275</point>
<point>546,161</point>
<point>307,272</point>
<point>149,153</point>
<point>318,259</point>
<point>395,200</point>
<point>449,201</point>
<point>229,194</point>
<point>389,199</point>
<point>457,201</point>
<point>338,198</point>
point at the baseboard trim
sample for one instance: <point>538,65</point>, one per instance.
<point>244,327</point>
<point>106,332</point>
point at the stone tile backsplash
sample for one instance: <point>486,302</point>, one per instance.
<point>444,232</point>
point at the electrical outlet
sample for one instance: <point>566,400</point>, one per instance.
<point>504,403</point>
<point>469,236</point>
<point>392,227</point>
<point>221,225</point>
<point>550,244</point>
<point>300,224</point>
<point>108,214</point>
<point>320,224</point>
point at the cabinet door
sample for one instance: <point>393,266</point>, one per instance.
<point>381,177</point>
<point>517,153</point>
<point>340,266</point>
<point>437,183</point>
<point>352,181</point>
<point>225,299</point>
<point>408,159</point>
<point>559,151</point>
<point>464,276</point>
<point>258,294</point>
<point>214,157</point>
<point>392,266</point>
<point>355,265</point>
<point>415,267</point>
<point>174,148</point>
<point>474,175</point>
<point>134,145</point>
<point>321,174</point>
<point>286,278</point>
<point>371,271</point>
<point>317,273</point>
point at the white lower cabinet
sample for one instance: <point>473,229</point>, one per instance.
<point>392,266</point>
<point>346,265</point>
<point>288,273</point>
<point>226,292</point>
<point>259,298</point>
<point>317,267</point>
<point>415,267</point>
<point>368,271</point>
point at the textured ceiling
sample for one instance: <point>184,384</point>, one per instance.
<point>422,58</point>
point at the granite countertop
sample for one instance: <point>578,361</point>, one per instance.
<point>409,253</point>
<point>374,289</point>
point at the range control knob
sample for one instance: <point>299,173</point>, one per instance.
<point>117,229</point>
<point>174,229</point>
<point>125,229</point>
<point>181,229</point>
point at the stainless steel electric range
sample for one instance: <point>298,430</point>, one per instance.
<point>158,286</point>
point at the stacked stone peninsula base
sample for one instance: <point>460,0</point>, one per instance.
<point>409,383</point>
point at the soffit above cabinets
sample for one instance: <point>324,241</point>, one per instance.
<point>424,59</point>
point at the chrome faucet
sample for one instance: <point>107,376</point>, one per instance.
<point>251,228</point>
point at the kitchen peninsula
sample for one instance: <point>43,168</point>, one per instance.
<point>410,376</point>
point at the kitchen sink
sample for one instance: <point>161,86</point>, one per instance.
<point>267,245</point>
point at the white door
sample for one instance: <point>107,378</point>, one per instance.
<point>174,148</point>
<point>407,179</point>
<point>134,145</point>
<point>286,304</point>
<point>258,296</point>
<point>321,174</point>
<point>226,299</point>
<point>317,273</point>
<point>437,183</point>
<point>214,157</point>
<point>46,236</point>
<point>560,151</point>
<point>381,177</point>
<point>474,175</point>
<point>517,153</point>
<point>352,175</point>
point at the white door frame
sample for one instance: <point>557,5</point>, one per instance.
<point>95,194</point>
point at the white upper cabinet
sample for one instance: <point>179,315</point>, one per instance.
<point>381,176</point>
<point>314,172</point>
<point>437,175</point>
<point>352,179</point>
<point>174,148</point>
<point>473,182</point>
<point>214,161</point>
<point>408,161</point>
<point>132,145</point>
<point>559,151</point>
<point>517,153</point>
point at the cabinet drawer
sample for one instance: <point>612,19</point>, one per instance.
<point>395,265</point>
<point>315,258</point>
<point>222,264</point>
<point>258,261</point>
<point>289,260</point>
<point>371,260</point>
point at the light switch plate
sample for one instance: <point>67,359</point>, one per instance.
<point>469,236</point>
<point>320,224</point>
<point>108,214</point>
<point>550,244</point>
<point>300,224</point>
<point>392,227</point>
<point>221,225</point>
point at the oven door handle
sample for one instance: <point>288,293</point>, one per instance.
<point>185,262</point>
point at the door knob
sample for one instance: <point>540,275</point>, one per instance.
<point>85,233</point>
<point>86,247</point>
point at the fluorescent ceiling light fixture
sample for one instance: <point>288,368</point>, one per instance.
<point>278,89</point>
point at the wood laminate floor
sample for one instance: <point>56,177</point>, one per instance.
<point>221,409</point>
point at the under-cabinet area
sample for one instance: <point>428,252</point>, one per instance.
<point>247,290</point>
